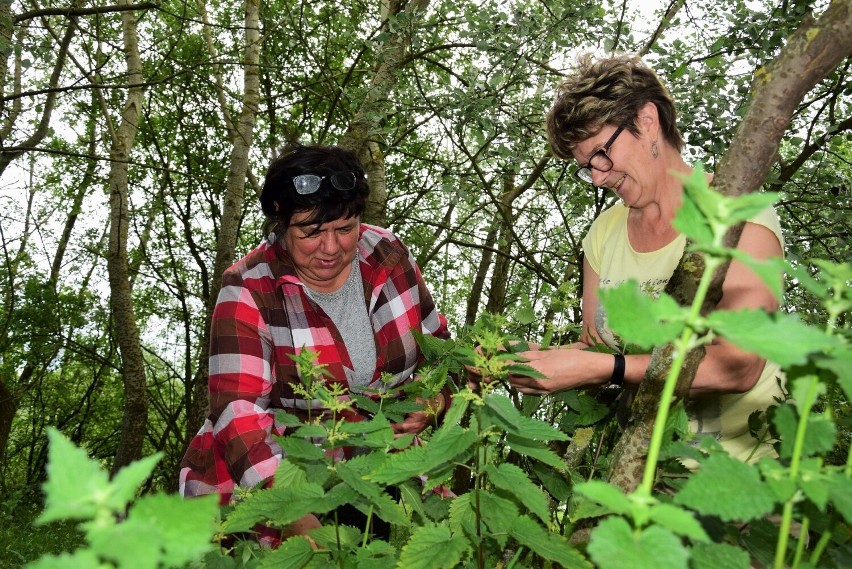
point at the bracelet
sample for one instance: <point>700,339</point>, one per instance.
<point>617,371</point>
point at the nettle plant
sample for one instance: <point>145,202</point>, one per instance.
<point>530,485</point>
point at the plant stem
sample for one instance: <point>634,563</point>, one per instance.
<point>800,546</point>
<point>681,347</point>
<point>795,461</point>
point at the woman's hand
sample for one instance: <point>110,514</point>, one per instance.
<point>568,367</point>
<point>415,423</point>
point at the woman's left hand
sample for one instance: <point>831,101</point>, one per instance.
<point>563,368</point>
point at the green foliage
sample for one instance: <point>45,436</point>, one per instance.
<point>154,531</point>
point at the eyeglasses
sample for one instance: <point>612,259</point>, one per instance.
<point>309,183</point>
<point>600,160</point>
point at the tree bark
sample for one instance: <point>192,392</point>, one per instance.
<point>809,55</point>
<point>135,417</point>
<point>360,137</point>
<point>232,203</point>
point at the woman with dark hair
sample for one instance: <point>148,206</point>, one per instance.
<point>321,281</point>
<point>617,120</point>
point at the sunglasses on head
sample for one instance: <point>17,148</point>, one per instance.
<point>309,183</point>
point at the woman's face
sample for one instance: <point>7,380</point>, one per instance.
<point>585,150</point>
<point>322,255</point>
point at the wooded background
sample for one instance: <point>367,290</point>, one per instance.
<point>134,138</point>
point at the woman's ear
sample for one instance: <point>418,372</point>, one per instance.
<point>648,118</point>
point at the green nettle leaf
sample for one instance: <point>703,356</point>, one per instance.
<point>840,493</point>
<point>534,449</point>
<point>329,536</point>
<point>717,555</point>
<point>310,431</point>
<point>759,332</point>
<point>449,442</point>
<point>679,521</point>
<point>614,541</point>
<point>778,478</point>
<point>513,480</point>
<point>297,447</point>
<point>745,206</point>
<point>80,559</point>
<point>76,487</point>
<point>551,546</point>
<point>727,488</point>
<point>812,481</point>
<point>288,474</point>
<point>377,555</point>
<point>498,513</point>
<point>690,221</point>
<point>605,494</point>
<point>840,363</point>
<point>555,483</point>
<point>294,553</point>
<point>499,409</point>
<point>462,515</point>
<point>771,271</point>
<point>638,318</point>
<point>159,530</point>
<point>785,421</point>
<point>433,547</point>
<point>411,498</point>
<point>283,505</point>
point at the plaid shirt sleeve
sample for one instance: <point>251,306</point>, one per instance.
<point>235,446</point>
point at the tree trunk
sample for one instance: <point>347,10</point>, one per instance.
<point>135,418</point>
<point>360,136</point>
<point>232,206</point>
<point>809,55</point>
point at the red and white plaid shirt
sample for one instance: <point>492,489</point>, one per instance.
<point>262,316</point>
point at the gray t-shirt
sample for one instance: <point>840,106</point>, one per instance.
<point>346,308</point>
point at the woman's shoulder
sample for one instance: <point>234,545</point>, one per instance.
<point>380,244</point>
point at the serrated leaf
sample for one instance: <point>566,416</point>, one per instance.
<point>288,474</point>
<point>778,478</point>
<point>76,486</point>
<point>534,449</point>
<point>840,493</point>
<point>638,318</point>
<point>183,529</point>
<point>329,536</point>
<point>813,482</point>
<point>605,494</point>
<point>448,443</point>
<point>549,545</point>
<point>718,555</point>
<point>284,505</point>
<point>554,482</point>
<point>297,447</point>
<point>411,498</point>
<point>432,547</point>
<point>513,480</point>
<point>503,412</point>
<point>770,271</point>
<point>746,206</point>
<point>462,515</point>
<point>614,541</point>
<point>759,332</point>
<point>498,513</point>
<point>294,553</point>
<point>679,521</point>
<point>80,559</point>
<point>377,555</point>
<point>727,488</point>
<point>690,221</point>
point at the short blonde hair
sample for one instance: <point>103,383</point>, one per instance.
<point>611,91</point>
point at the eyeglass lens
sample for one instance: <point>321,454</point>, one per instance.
<point>309,183</point>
